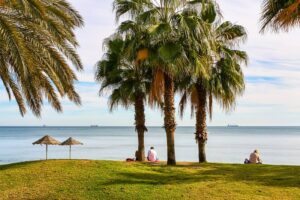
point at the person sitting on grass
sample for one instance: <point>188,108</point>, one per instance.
<point>254,158</point>
<point>133,159</point>
<point>152,155</point>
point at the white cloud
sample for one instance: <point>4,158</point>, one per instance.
<point>273,101</point>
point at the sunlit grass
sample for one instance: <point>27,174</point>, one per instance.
<point>82,179</point>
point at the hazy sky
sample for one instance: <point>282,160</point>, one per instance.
<point>272,95</point>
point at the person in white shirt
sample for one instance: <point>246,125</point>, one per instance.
<point>152,155</point>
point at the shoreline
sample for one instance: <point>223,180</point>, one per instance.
<point>161,163</point>
<point>131,126</point>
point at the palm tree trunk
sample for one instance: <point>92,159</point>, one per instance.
<point>201,130</point>
<point>169,120</point>
<point>140,125</point>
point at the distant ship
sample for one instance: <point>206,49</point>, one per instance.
<point>232,125</point>
<point>94,126</point>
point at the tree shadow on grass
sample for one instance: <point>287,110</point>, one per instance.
<point>27,163</point>
<point>131,178</point>
<point>267,175</point>
<point>275,176</point>
<point>17,165</point>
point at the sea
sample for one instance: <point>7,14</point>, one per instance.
<point>277,145</point>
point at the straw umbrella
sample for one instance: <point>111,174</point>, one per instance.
<point>47,140</point>
<point>70,141</point>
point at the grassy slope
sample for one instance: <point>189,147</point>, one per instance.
<point>63,179</point>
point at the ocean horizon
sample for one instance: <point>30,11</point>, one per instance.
<point>93,126</point>
<point>279,145</point>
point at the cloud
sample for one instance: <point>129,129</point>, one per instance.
<point>272,90</point>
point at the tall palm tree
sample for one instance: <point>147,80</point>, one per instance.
<point>223,80</point>
<point>280,14</point>
<point>171,24</point>
<point>36,42</point>
<point>123,71</point>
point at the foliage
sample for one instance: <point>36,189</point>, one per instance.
<point>36,42</point>
<point>219,70</point>
<point>173,26</point>
<point>122,71</point>
<point>280,14</point>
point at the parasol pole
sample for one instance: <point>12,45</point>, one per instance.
<point>70,152</point>
<point>46,151</point>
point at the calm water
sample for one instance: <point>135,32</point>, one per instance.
<point>278,145</point>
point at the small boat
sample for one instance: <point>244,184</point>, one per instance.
<point>232,125</point>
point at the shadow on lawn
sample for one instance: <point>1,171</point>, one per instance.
<point>17,165</point>
<point>29,163</point>
<point>275,176</point>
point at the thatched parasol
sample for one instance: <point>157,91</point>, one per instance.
<point>70,141</point>
<point>47,140</point>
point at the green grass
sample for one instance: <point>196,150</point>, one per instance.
<point>83,179</point>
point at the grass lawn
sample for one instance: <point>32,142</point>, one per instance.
<point>84,179</point>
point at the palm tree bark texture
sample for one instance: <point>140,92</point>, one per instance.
<point>201,129</point>
<point>140,125</point>
<point>169,119</point>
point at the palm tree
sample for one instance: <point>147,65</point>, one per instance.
<point>123,71</point>
<point>36,42</point>
<point>280,14</point>
<point>171,24</point>
<point>223,81</point>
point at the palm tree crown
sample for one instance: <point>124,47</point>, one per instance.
<point>123,77</point>
<point>36,41</point>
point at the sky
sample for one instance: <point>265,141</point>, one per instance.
<point>271,98</point>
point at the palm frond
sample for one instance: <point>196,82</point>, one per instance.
<point>280,14</point>
<point>36,42</point>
